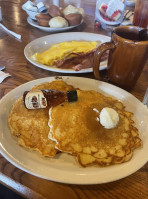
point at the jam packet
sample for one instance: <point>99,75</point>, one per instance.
<point>31,6</point>
<point>109,13</point>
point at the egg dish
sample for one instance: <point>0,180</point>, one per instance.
<point>70,55</point>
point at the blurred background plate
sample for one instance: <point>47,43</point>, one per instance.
<point>48,29</point>
<point>41,44</point>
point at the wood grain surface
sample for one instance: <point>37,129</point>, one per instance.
<point>12,57</point>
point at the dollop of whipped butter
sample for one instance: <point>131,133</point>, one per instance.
<point>109,118</point>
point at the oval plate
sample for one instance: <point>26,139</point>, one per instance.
<point>48,29</point>
<point>64,168</point>
<point>41,44</point>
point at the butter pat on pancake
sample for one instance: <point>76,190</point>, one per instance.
<point>59,51</point>
<point>76,130</point>
<point>31,126</point>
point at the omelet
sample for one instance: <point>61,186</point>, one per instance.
<point>58,52</point>
<point>80,133</point>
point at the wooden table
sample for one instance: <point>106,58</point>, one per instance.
<point>12,56</point>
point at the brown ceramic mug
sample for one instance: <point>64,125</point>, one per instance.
<point>127,56</point>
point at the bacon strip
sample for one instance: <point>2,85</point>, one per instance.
<point>79,61</point>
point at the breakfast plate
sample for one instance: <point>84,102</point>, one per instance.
<point>41,44</point>
<point>48,29</point>
<point>63,167</point>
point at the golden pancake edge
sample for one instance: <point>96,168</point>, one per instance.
<point>31,126</point>
<point>79,133</point>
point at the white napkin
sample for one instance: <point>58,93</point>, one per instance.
<point>3,76</point>
<point>10,32</point>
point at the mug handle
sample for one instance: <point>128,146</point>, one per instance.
<point>97,57</point>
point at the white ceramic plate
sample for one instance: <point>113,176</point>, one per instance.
<point>48,29</point>
<point>41,44</point>
<point>64,168</point>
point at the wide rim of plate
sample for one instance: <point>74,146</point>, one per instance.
<point>59,170</point>
<point>48,40</point>
<point>48,29</point>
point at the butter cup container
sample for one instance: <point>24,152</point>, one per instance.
<point>31,9</point>
<point>41,7</point>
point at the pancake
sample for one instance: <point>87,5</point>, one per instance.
<point>31,126</point>
<point>80,133</point>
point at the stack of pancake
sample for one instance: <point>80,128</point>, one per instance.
<point>74,128</point>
